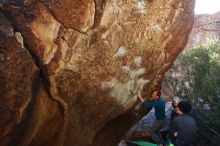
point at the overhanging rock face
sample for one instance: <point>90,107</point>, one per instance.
<point>93,57</point>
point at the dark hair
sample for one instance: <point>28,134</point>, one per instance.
<point>158,92</point>
<point>184,106</point>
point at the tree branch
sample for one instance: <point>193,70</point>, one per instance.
<point>209,128</point>
<point>210,23</point>
<point>205,29</point>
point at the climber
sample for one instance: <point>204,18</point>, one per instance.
<point>175,102</point>
<point>183,127</point>
<point>159,105</point>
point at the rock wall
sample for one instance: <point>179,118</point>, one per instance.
<point>206,26</point>
<point>79,64</point>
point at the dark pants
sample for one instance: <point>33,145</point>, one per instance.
<point>155,131</point>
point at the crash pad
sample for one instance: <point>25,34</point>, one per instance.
<point>142,143</point>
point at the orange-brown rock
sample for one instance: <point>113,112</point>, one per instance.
<point>17,74</point>
<point>94,56</point>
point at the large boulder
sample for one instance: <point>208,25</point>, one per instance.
<point>93,57</point>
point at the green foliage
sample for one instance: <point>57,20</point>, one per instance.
<point>201,70</point>
<point>203,66</point>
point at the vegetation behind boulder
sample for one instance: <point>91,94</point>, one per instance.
<point>196,77</point>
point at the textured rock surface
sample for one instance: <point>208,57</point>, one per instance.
<point>17,72</point>
<point>205,26</point>
<point>94,56</point>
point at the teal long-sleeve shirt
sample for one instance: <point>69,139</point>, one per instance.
<point>159,106</point>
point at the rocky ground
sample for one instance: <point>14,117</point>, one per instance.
<point>141,128</point>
